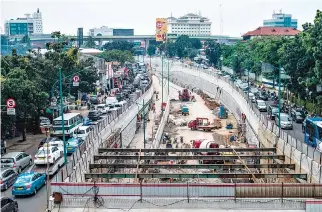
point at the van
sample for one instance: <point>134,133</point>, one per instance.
<point>120,104</point>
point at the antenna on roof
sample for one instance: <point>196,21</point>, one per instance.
<point>171,15</point>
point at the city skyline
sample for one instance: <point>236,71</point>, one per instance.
<point>238,17</point>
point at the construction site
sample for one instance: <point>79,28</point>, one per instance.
<point>202,143</point>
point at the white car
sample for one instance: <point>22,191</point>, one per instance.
<point>82,132</point>
<point>103,108</point>
<point>47,154</point>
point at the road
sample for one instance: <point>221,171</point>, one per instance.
<point>29,203</point>
<point>297,127</point>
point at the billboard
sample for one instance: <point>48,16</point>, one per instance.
<point>161,26</point>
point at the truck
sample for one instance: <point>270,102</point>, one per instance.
<point>201,124</point>
<point>53,168</point>
<point>207,144</point>
<point>184,95</point>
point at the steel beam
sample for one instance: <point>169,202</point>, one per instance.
<point>102,150</point>
<point>224,175</point>
<point>188,157</point>
<point>188,166</point>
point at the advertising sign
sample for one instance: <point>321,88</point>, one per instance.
<point>161,33</point>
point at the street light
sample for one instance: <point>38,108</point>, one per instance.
<point>162,77</point>
<point>62,112</point>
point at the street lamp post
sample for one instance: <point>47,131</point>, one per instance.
<point>144,140</point>
<point>62,111</point>
<point>162,78</point>
<point>168,78</point>
<point>248,84</point>
<point>279,101</point>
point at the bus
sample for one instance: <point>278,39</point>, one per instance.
<point>313,132</point>
<point>71,122</point>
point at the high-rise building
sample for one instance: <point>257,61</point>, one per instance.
<point>25,26</point>
<point>105,31</point>
<point>80,37</point>
<point>190,24</point>
<point>281,20</point>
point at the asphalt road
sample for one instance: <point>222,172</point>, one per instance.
<point>35,203</point>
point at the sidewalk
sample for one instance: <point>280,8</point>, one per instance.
<point>16,144</point>
<point>150,130</point>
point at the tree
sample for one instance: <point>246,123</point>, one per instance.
<point>213,52</point>
<point>183,42</point>
<point>119,45</point>
<point>117,55</point>
<point>90,42</point>
<point>151,50</point>
<point>191,53</point>
<point>29,98</point>
<point>196,43</point>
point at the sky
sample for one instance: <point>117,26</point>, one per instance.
<point>239,16</point>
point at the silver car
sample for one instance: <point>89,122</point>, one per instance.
<point>7,177</point>
<point>16,160</point>
<point>286,121</point>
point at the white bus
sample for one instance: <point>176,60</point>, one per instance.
<point>71,122</point>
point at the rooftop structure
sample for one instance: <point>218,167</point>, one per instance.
<point>280,20</point>
<point>271,31</point>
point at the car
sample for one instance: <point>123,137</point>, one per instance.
<point>94,115</point>
<point>92,124</point>
<point>9,204</point>
<point>44,121</point>
<point>28,183</point>
<point>73,144</point>
<point>16,160</point>
<point>251,96</point>
<point>86,121</point>
<point>261,105</point>
<point>102,108</point>
<point>7,177</point>
<point>47,154</point>
<point>46,140</point>
<point>255,91</point>
<point>272,111</point>
<point>93,99</point>
<point>297,115</point>
<point>263,96</point>
<point>3,146</point>
<point>286,121</point>
<point>82,132</point>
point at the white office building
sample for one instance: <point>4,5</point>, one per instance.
<point>189,24</point>
<point>27,25</point>
<point>102,31</point>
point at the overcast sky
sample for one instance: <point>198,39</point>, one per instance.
<point>239,16</point>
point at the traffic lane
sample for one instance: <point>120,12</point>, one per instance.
<point>297,127</point>
<point>33,203</point>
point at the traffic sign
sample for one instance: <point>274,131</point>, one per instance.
<point>76,78</point>
<point>75,84</point>
<point>11,103</point>
<point>11,111</point>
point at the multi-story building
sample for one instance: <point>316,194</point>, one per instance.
<point>25,26</point>
<point>189,24</point>
<point>106,31</point>
<point>281,20</point>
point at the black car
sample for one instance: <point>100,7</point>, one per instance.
<point>94,100</point>
<point>297,115</point>
<point>8,205</point>
<point>45,140</point>
<point>272,111</point>
<point>94,115</point>
<point>263,96</point>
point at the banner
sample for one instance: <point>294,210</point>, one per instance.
<point>161,33</point>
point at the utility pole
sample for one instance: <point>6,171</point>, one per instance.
<point>47,170</point>
<point>168,78</point>
<point>162,78</point>
<point>248,84</point>
<point>143,112</point>
<point>279,101</point>
<point>62,112</point>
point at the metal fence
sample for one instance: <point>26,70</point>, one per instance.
<point>191,190</point>
<point>124,118</point>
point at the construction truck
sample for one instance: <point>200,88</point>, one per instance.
<point>184,95</point>
<point>207,144</point>
<point>201,124</point>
